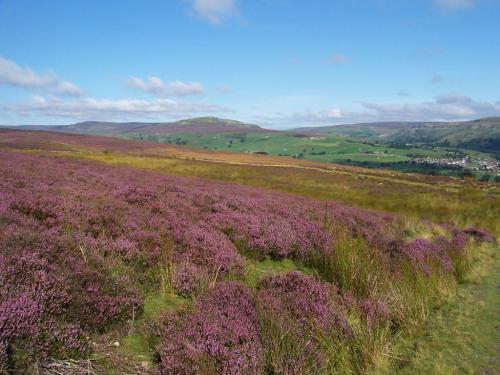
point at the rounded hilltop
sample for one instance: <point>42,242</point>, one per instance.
<point>201,125</point>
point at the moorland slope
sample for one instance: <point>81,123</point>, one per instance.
<point>108,240</point>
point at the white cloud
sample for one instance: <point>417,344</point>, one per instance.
<point>17,76</point>
<point>92,108</point>
<point>66,87</point>
<point>215,11</point>
<point>156,86</point>
<point>179,88</point>
<point>455,4</point>
<point>449,107</point>
<point>153,85</point>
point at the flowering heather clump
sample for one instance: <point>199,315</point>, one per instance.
<point>34,296</point>
<point>458,242</point>
<point>272,231</point>
<point>45,301</point>
<point>135,194</point>
<point>210,249</point>
<point>296,311</point>
<point>187,279</point>
<point>422,253</point>
<point>222,334</point>
<point>448,253</point>
<point>307,300</point>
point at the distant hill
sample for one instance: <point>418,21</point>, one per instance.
<point>482,135</point>
<point>199,125</point>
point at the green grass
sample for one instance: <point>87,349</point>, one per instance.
<point>156,304</point>
<point>463,335</point>
<point>256,270</point>
<point>330,148</point>
<point>140,344</point>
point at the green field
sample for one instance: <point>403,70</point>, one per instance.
<point>336,149</point>
<point>462,149</point>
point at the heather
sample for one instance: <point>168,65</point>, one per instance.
<point>221,335</point>
<point>84,247</point>
<point>296,311</point>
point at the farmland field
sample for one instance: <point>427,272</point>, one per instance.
<point>368,145</point>
<point>329,148</point>
<point>329,268</point>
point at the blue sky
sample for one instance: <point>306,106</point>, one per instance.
<point>277,63</point>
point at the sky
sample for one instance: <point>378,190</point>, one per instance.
<point>276,63</point>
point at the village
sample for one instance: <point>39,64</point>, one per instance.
<point>467,163</point>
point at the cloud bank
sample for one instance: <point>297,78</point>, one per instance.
<point>12,74</point>
<point>449,107</point>
<point>156,86</point>
<point>53,97</point>
<point>92,108</point>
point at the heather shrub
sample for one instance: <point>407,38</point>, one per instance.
<point>211,250</point>
<point>99,301</point>
<point>187,279</point>
<point>270,234</point>
<point>220,335</point>
<point>297,312</point>
<point>49,295</point>
<point>449,254</point>
<point>135,194</point>
<point>424,253</point>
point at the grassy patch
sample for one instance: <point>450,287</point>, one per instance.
<point>157,304</point>
<point>256,270</point>
<point>140,343</point>
<point>463,335</point>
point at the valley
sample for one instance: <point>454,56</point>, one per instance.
<point>368,145</point>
